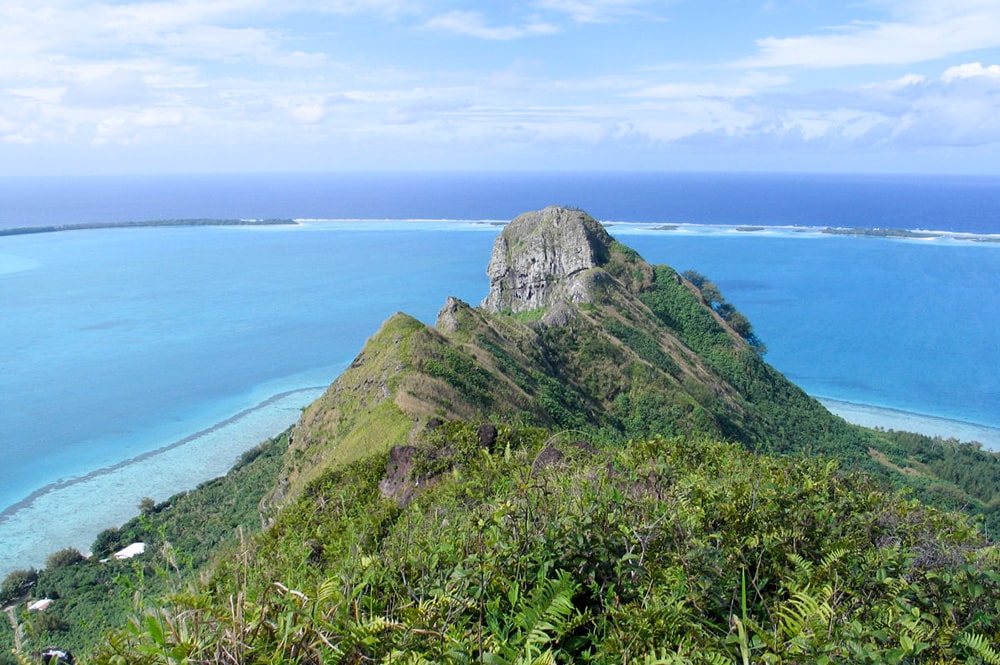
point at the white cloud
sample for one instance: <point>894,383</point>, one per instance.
<point>901,83</point>
<point>749,84</point>
<point>959,108</point>
<point>384,7</point>
<point>160,117</point>
<point>18,139</point>
<point>45,95</point>
<point>120,87</point>
<point>223,76</point>
<point>599,11</point>
<point>970,70</point>
<point>209,42</point>
<point>473,24</point>
<point>308,113</point>
<point>925,30</point>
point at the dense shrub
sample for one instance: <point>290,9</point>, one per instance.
<point>16,584</point>
<point>670,551</point>
<point>63,558</point>
<point>107,541</point>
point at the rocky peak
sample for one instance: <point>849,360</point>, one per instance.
<point>541,259</point>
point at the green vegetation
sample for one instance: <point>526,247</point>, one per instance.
<point>649,490</point>
<point>530,315</point>
<point>63,558</point>
<point>881,233</point>
<point>667,551</point>
<point>463,373</point>
<point>727,311</point>
<point>644,345</point>
<point>16,584</point>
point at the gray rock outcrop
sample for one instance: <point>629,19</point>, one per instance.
<point>544,258</point>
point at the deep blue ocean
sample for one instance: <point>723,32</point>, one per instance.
<point>139,362</point>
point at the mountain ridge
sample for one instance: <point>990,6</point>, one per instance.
<point>577,332</point>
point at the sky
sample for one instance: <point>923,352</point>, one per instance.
<point>192,86</point>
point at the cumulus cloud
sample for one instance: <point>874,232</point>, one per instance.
<point>970,70</point>
<point>959,108</point>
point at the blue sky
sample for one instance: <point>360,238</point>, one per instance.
<point>120,86</point>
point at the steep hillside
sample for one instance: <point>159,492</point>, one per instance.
<point>593,465</point>
<point>579,332</point>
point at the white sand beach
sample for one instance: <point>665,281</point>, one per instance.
<point>893,419</point>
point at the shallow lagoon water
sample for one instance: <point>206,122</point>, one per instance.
<point>122,342</point>
<point>117,343</point>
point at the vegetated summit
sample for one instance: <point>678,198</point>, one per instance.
<point>577,332</point>
<point>594,465</point>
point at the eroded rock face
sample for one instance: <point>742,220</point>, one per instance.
<point>543,257</point>
<point>398,483</point>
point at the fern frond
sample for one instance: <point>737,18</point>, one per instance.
<point>833,557</point>
<point>803,568</point>
<point>805,612</point>
<point>981,646</point>
<point>547,611</point>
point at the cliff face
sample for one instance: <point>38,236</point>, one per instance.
<point>542,258</point>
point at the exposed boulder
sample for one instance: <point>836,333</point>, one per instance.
<point>542,258</point>
<point>447,319</point>
<point>547,456</point>
<point>487,436</point>
<point>399,483</point>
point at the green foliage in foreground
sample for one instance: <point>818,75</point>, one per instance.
<point>667,551</point>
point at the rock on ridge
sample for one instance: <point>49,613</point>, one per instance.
<point>541,258</point>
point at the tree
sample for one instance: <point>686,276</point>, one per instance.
<point>107,541</point>
<point>17,584</point>
<point>63,558</point>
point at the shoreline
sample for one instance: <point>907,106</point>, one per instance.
<point>886,418</point>
<point>90,226</point>
<point>13,508</point>
<point>74,512</point>
<point>614,226</point>
<point>868,233</point>
<point>45,514</point>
